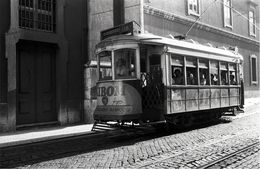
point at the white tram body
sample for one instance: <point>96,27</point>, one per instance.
<point>144,77</point>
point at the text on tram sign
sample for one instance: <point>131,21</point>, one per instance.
<point>111,91</point>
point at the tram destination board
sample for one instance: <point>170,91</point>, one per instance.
<point>130,27</point>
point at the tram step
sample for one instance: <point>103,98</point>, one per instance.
<point>99,127</point>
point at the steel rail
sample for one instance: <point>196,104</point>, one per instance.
<point>228,156</point>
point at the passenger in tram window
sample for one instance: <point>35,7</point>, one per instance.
<point>191,79</point>
<point>203,80</point>
<point>224,78</point>
<point>232,80</point>
<point>177,77</point>
<point>121,69</point>
<point>214,79</point>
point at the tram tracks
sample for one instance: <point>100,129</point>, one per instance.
<point>221,153</point>
<point>223,160</point>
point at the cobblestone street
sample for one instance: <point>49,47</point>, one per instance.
<point>182,149</point>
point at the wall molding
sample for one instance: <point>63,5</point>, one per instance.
<point>199,25</point>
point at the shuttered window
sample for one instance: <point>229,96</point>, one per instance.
<point>254,74</point>
<point>194,7</point>
<point>228,20</point>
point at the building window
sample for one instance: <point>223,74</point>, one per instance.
<point>252,22</point>
<point>193,7</point>
<point>37,14</point>
<point>228,20</point>
<point>253,66</point>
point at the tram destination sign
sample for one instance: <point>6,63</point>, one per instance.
<point>130,27</point>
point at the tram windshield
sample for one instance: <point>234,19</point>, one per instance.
<point>125,63</point>
<point>105,68</point>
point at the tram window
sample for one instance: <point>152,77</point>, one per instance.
<point>191,69</point>
<point>125,63</point>
<point>105,66</point>
<point>204,72</point>
<point>214,73</point>
<point>232,74</point>
<point>177,70</point>
<point>223,73</point>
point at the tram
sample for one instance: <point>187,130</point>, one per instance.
<point>144,78</point>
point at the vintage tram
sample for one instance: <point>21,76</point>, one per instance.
<point>144,78</point>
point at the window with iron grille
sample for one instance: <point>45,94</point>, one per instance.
<point>37,14</point>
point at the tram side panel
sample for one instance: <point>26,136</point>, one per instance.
<point>180,100</point>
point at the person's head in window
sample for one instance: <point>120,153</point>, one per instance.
<point>177,77</point>
<point>203,80</point>
<point>214,79</point>
<point>232,80</point>
<point>224,78</point>
<point>121,69</point>
<point>191,79</point>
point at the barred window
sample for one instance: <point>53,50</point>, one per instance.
<point>37,14</point>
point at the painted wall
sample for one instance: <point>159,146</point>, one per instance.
<point>213,16</point>
<point>4,26</point>
<point>75,24</point>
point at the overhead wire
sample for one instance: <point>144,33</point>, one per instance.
<point>186,34</point>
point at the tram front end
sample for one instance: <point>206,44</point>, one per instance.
<point>118,101</point>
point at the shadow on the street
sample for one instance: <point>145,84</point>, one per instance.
<point>45,151</point>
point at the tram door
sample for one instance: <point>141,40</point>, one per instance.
<point>153,92</point>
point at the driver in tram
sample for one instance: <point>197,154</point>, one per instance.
<point>121,69</point>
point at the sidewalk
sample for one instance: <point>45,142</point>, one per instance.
<point>37,135</point>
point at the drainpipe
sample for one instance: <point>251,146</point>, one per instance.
<point>142,15</point>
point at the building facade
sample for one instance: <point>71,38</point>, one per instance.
<point>42,54</point>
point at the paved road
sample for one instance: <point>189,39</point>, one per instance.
<point>179,149</point>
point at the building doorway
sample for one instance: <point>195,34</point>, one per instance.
<point>36,84</point>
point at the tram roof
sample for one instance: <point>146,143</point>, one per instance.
<point>174,44</point>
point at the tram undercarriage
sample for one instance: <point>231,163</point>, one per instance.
<point>176,120</point>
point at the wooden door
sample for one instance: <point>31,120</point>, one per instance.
<point>26,88</point>
<point>45,87</point>
<point>36,86</point>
